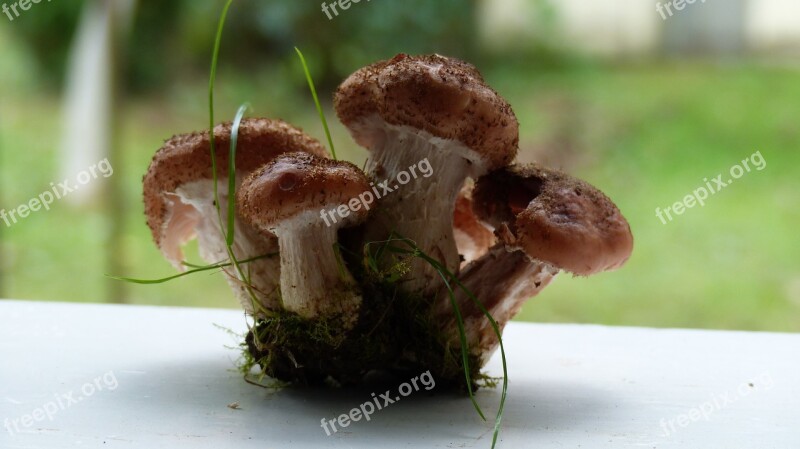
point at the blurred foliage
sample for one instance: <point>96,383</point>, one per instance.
<point>171,38</point>
<point>48,34</point>
<point>644,133</point>
<point>539,45</point>
<point>355,38</point>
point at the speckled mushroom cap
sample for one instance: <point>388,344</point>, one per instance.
<point>554,218</point>
<point>297,182</point>
<point>186,158</point>
<point>443,96</point>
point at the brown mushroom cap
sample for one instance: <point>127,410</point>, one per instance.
<point>186,158</point>
<point>554,218</point>
<point>443,96</point>
<point>297,182</point>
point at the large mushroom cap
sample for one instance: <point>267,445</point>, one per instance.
<point>554,218</point>
<point>297,182</point>
<point>442,96</point>
<point>186,158</point>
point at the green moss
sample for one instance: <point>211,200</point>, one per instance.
<point>395,333</point>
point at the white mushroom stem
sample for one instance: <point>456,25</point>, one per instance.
<point>503,281</point>
<point>314,283</point>
<point>422,209</point>
<point>193,214</point>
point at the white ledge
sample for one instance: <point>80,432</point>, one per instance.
<point>570,386</point>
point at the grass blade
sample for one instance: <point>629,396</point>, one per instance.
<point>237,121</point>
<point>499,335</point>
<point>166,279</point>
<point>462,336</point>
<point>230,234</point>
<point>316,100</point>
<point>192,265</point>
<point>231,199</point>
<point>445,274</point>
<point>195,269</point>
<point>212,80</point>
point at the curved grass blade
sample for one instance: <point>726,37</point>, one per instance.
<point>237,121</point>
<point>211,82</point>
<point>192,265</point>
<point>442,270</point>
<point>499,335</point>
<point>166,279</point>
<point>496,329</point>
<point>195,269</point>
<point>212,145</point>
<point>316,101</point>
<point>462,335</point>
<point>229,236</point>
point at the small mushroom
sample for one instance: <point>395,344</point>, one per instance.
<point>555,218</point>
<point>412,108</point>
<point>179,199</point>
<point>545,221</point>
<point>290,198</point>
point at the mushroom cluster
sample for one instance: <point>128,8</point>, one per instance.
<point>324,306</point>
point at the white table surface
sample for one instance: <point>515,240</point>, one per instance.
<point>168,383</point>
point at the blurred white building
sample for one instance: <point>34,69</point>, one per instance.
<point>635,27</point>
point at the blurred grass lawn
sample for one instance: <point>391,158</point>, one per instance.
<point>646,135</point>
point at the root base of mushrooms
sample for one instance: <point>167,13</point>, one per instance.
<point>396,333</point>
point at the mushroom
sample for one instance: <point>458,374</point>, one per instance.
<point>179,200</point>
<point>473,237</point>
<point>412,108</point>
<point>304,200</point>
<point>545,221</point>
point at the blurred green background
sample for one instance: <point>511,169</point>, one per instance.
<point>638,111</point>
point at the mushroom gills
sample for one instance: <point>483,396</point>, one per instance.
<point>195,215</point>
